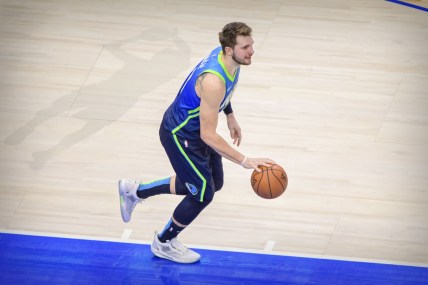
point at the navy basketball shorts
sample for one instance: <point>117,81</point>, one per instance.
<point>198,166</point>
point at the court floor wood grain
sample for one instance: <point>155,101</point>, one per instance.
<point>336,94</point>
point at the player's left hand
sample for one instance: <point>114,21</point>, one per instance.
<point>234,129</point>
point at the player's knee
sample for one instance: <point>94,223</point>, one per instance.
<point>180,187</point>
<point>207,200</point>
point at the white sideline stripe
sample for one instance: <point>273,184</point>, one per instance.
<point>217,248</point>
<point>270,245</point>
<point>126,234</point>
<point>57,235</point>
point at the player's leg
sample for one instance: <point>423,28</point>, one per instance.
<point>193,169</point>
<point>190,207</point>
<point>166,245</point>
<point>184,214</point>
<point>217,169</point>
<point>157,187</point>
<point>132,192</point>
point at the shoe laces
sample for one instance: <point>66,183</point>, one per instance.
<point>178,245</point>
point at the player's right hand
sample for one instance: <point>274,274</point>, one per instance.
<point>253,163</point>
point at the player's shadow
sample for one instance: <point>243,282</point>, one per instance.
<point>98,105</point>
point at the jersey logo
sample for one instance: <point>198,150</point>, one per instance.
<point>192,188</point>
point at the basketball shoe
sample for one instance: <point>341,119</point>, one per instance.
<point>128,198</point>
<point>173,250</point>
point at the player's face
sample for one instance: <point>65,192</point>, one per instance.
<point>243,51</point>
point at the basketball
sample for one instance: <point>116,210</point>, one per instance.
<point>271,182</point>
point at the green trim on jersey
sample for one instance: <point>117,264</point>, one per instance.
<point>193,111</point>
<point>185,121</point>
<point>204,181</point>
<point>231,78</point>
<point>216,73</point>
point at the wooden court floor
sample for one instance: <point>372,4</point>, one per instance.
<point>336,94</point>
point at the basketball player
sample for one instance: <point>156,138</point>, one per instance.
<point>195,150</point>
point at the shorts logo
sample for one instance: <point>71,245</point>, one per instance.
<point>191,188</point>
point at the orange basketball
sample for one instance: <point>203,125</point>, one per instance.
<point>271,182</point>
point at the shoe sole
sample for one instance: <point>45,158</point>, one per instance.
<point>165,256</point>
<point>121,202</point>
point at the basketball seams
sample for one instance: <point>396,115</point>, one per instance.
<point>260,180</point>
<point>279,178</point>
<point>265,185</point>
<point>268,181</point>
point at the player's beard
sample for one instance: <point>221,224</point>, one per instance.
<point>238,61</point>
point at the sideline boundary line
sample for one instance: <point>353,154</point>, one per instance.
<point>409,5</point>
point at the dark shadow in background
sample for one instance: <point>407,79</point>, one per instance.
<point>101,104</point>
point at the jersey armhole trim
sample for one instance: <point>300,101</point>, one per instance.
<point>216,73</point>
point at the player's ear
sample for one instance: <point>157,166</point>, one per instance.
<point>228,50</point>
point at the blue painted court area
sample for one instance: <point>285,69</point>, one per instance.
<point>27,259</point>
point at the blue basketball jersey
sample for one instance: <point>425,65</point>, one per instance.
<point>182,116</point>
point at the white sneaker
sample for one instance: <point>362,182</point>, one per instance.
<point>173,250</point>
<point>128,198</point>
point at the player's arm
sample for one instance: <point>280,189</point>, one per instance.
<point>211,90</point>
<point>232,124</point>
<point>234,129</point>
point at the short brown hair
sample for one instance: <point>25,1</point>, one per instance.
<point>231,31</point>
